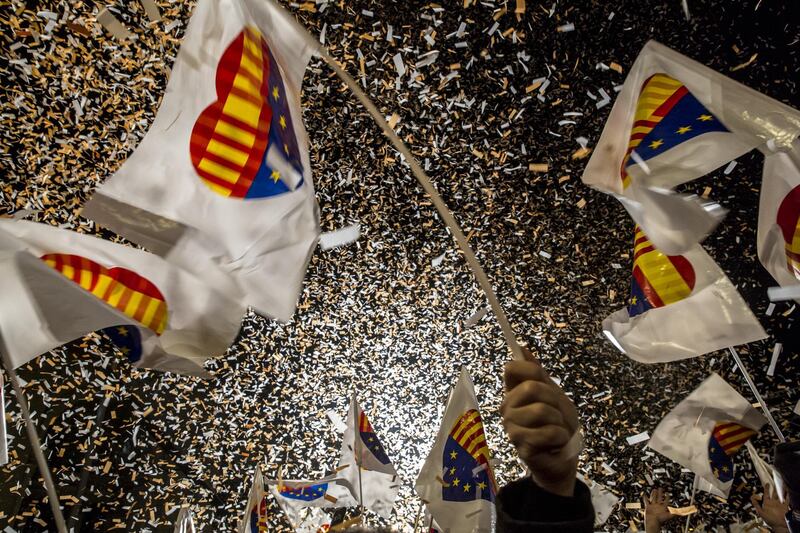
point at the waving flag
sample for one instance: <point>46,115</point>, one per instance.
<point>377,482</point>
<point>302,519</point>
<point>301,501</point>
<point>255,515</point>
<point>779,217</point>
<point>221,184</point>
<point>65,285</point>
<point>680,307</point>
<point>674,121</point>
<point>456,482</point>
<point>705,430</point>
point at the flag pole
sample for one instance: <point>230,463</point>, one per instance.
<point>422,178</point>
<point>760,400</point>
<point>75,518</point>
<point>419,512</point>
<point>691,502</point>
<point>33,437</point>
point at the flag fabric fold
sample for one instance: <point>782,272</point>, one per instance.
<point>779,216</point>
<point>680,307</point>
<point>376,484</point>
<point>255,513</point>
<point>705,430</point>
<point>221,184</point>
<point>676,120</point>
<point>185,521</point>
<point>766,473</point>
<point>62,285</point>
<point>456,482</point>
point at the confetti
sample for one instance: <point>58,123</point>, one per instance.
<point>379,317</point>
<point>340,237</point>
<point>114,26</point>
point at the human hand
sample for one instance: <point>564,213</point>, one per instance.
<point>656,511</point>
<point>540,420</point>
<point>772,511</point>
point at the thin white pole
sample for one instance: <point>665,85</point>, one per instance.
<point>33,437</point>
<point>691,502</point>
<point>422,178</point>
<point>760,400</point>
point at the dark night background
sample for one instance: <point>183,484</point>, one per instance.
<point>376,316</point>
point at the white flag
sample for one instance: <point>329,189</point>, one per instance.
<point>705,430</point>
<point>60,285</point>
<point>302,519</point>
<point>676,120</point>
<point>779,216</point>
<point>254,519</point>
<point>456,482</point>
<point>680,306</point>
<point>766,473</point>
<point>185,521</point>
<point>221,184</point>
<point>603,500</point>
<point>330,491</point>
<point>376,482</point>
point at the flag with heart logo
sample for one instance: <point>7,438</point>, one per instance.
<point>680,306</point>
<point>676,120</point>
<point>59,285</point>
<point>221,184</point>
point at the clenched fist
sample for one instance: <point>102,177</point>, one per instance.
<point>540,420</point>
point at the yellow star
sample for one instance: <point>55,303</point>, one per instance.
<point>452,471</point>
<point>634,300</point>
<point>456,481</point>
<point>467,487</point>
<point>282,121</point>
<point>275,176</point>
<point>125,351</point>
<point>655,144</point>
<point>122,330</point>
<point>276,93</point>
<point>724,468</point>
<point>482,485</point>
<point>286,148</point>
<point>684,129</point>
<point>705,118</point>
<point>453,455</point>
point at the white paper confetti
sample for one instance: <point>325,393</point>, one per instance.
<point>340,237</point>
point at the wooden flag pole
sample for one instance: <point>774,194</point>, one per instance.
<point>760,400</point>
<point>33,437</point>
<point>422,178</point>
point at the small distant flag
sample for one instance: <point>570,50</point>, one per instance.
<point>456,481</point>
<point>362,449</point>
<point>679,307</point>
<point>66,285</point>
<point>779,216</point>
<point>674,121</point>
<point>221,184</point>
<point>302,501</point>
<point>705,430</point>
<point>254,519</point>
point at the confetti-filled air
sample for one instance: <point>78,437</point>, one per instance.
<point>503,104</point>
